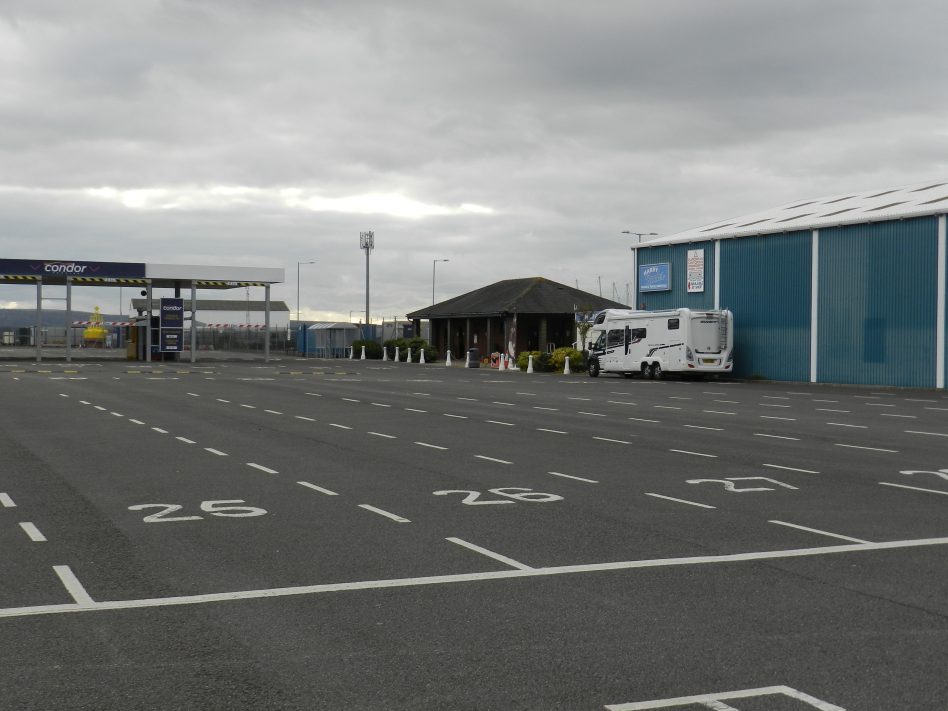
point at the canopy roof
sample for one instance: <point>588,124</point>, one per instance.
<point>930,198</point>
<point>535,295</point>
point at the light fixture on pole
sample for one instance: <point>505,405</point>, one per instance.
<point>367,242</point>
<point>640,235</point>
<point>298,289</point>
<point>434,263</point>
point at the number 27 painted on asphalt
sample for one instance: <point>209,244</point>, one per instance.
<point>215,508</point>
<point>520,494</point>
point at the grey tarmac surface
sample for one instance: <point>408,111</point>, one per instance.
<point>365,535</point>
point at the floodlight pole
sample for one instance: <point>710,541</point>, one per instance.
<point>367,242</point>
<point>434,263</point>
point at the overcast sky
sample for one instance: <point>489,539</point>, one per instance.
<point>515,139</point>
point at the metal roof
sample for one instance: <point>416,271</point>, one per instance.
<point>929,198</point>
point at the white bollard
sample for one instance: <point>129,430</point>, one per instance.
<point>447,361</point>
<point>530,363</point>
<point>503,363</point>
<point>566,366</point>
<point>421,359</point>
<point>351,352</point>
<point>467,359</point>
<point>362,357</point>
<point>384,352</point>
<point>396,354</point>
<point>409,355</point>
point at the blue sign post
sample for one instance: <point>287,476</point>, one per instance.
<point>655,277</point>
<point>171,325</point>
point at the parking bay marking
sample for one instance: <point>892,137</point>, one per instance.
<point>816,530</point>
<point>6,501</point>
<point>490,554</point>
<point>381,512</point>
<point>88,605</point>
<point>914,488</point>
<point>33,532</point>
<point>681,501</point>
<point>716,701</point>
<point>320,489</point>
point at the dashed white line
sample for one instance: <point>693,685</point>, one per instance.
<point>413,409</point>
<point>490,554</point>
<point>718,412</point>
<point>320,489</point>
<point>616,441</point>
<point>380,512</point>
<point>185,440</point>
<point>619,402</point>
<point>872,449</point>
<point>432,446</point>
<point>303,417</point>
<point>63,395</point>
<point>469,399</point>
<point>491,459</point>
<point>544,429</point>
<point>774,417</point>
<point>551,409</point>
<point>99,407</point>
<point>700,427</point>
<point>681,501</point>
<point>249,407</point>
<point>33,532</point>
<point>577,478</point>
<point>878,404</point>
<point>824,533</point>
<point>914,488</point>
<point>262,468</point>
<point>791,469</point>
<point>117,414</point>
<point>159,430</point>
<point>218,452</point>
<point>457,417</point>
<point>273,412</point>
<point>341,427</point>
<point>932,434</point>
<point>826,409</point>
<point>892,414</point>
<point>220,399</point>
<point>728,402</point>
<point>498,422</point>
<point>767,404</point>
<point>194,395</point>
<point>72,585</point>
<point>641,419</point>
<point>380,404</point>
<point>678,397</point>
<point>6,501</point>
<point>591,414</point>
<point>937,408</point>
<point>350,399</point>
<point>587,399</point>
<point>508,404</point>
<point>667,407</point>
<point>313,394</point>
<point>912,399</point>
<point>774,397</point>
<point>381,434</point>
<point>85,402</point>
<point>824,401</point>
<point>843,424</point>
<point>697,454</point>
<point>761,434</point>
<point>137,422</point>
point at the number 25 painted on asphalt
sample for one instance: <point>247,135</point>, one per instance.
<point>529,495</point>
<point>215,508</point>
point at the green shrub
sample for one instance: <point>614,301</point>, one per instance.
<point>577,360</point>
<point>372,349</point>
<point>431,353</point>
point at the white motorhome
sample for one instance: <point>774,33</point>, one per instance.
<point>653,343</point>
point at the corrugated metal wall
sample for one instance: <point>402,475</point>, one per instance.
<point>678,297</point>
<point>766,282</point>
<point>877,303</point>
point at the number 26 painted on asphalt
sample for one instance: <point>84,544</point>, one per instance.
<point>521,494</point>
<point>215,508</point>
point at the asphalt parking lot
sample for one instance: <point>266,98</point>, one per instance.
<point>365,535</point>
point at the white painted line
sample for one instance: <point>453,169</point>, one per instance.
<point>380,404</point>
<point>587,399</point>
<point>774,397</point>
<point>616,441</point>
<point>544,429</point>
<point>380,512</point>
<point>699,427</point>
<point>469,399</point>
<point>492,459</point>
<point>72,585</point>
<point>774,417</point>
<point>728,402</point>
<point>490,554</point>
<point>697,454</point>
<point>678,397</point>
<point>761,434</point>
<point>913,399</point>
<point>342,427</point>
<point>159,430</point>
<point>185,440</point>
<point>871,449</point>
<point>459,417</point>
<point>791,469</point>
<point>6,501</point>
<point>891,414</point>
<point>137,422</point>
<point>194,395</point>
<point>509,404</point>
<point>867,397</point>
<point>249,407</point>
<point>642,419</point>
<point>933,434</point>
<point>680,501</point>
<point>33,532</point>
<point>666,407</point>
<point>942,409</point>
<point>824,400</point>
<point>591,414</point>
<point>313,394</point>
<point>220,399</point>
<point>215,451</point>
<point>878,404</point>
<point>117,414</point>
<point>619,402</point>
<point>99,407</point>
<point>843,424</point>
<point>262,468</point>
<point>320,489</point>
<point>915,488</point>
<point>86,402</point>
<point>708,699</point>
<point>718,412</point>
<point>577,478</point>
<point>412,409</point>
<point>65,395</point>
<point>432,446</point>
<point>551,409</point>
<point>349,399</point>
<point>468,577</point>
<point>826,409</point>
<point>273,412</point>
<point>303,417</point>
<point>766,404</point>
<point>497,422</point>
<point>380,434</point>
<point>816,530</point>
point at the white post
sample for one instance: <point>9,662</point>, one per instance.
<point>408,360</point>
<point>503,362</point>
<point>566,366</point>
<point>362,357</point>
<point>467,359</point>
<point>530,363</point>
<point>447,361</point>
<point>421,358</point>
<point>352,350</point>
<point>396,354</point>
<point>384,352</point>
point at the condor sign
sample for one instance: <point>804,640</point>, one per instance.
<point>47,268</point>
<point>171,324</point>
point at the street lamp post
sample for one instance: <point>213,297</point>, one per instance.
<point>635,262</point>
<point>434,263</point>
<point>298,289</point>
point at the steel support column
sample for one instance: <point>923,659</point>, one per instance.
<point>68,319</point>
<point>148,322</point>
<point>193,323</point>
<point>39,320</point>
<point>266,321</point>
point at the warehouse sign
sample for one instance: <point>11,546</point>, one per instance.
<point>655,277</point>
<point>695,271</point>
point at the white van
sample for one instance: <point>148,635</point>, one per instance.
<point>657,342</point>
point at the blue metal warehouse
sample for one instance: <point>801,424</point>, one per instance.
<point>844,289</point>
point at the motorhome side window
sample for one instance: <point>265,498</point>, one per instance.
<point>672,324</point>
<point>615,338</point>
<point>600,342</point>
<point>637,334</point>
